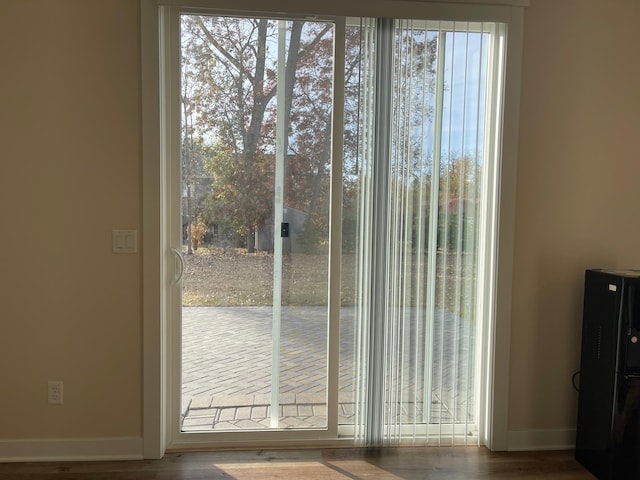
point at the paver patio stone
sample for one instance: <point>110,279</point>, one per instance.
<point>243,413</point>
<point>286,398</point>
<point>262,399</point>
<point>248,424</point>
<point>259,412</point>
<point>198,422</point>
<point>204,412</point>
<point>227,370</point>
<point>225,426</point>
<point>290,411</point>
<point>305,410</point>
<point>227,415</point>
<point>317,421</point>
<point>320,410</point>
<point>289,422</point>
<point>200,401</point>
<point>221,400</point>
<point>347,408</point>
<point>310,398</point>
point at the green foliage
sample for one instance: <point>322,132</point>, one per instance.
<point>313,234</point>
<point>241,193</point>
<point>459,199</point>
<point>455,232</point>
<point>349,230</point>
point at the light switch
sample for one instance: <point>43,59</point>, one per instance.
<point>124,241</point>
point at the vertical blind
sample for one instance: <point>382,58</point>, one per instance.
<point>422,127</point>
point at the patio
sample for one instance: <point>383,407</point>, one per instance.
<point>227,369</point>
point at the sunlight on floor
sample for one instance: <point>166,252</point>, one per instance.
<point>309,470</point>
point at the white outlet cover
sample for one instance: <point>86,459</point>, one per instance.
<point>55,392</point>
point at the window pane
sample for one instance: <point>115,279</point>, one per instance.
<point>256,98</point>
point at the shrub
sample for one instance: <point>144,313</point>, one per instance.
<point>198,231</point>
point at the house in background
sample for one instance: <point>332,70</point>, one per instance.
<point>70,150</point>
<point>292,243</point>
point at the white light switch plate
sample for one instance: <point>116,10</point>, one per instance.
<point>124,241</point>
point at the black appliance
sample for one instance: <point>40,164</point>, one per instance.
<point>608,430</point>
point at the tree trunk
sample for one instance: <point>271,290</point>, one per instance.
<point>189,248</point>
<point>251,240</point>
<point>323,159</point>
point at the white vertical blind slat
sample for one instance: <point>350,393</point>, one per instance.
<point>432,250</point>
<point>421,248</point>
<point>476,192</point>
<point>444,208</point>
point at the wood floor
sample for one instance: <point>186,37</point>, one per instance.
<point>459,463</point>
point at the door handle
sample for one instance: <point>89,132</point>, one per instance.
<point>178,277</point>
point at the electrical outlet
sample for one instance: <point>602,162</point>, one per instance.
<point>55,392</point>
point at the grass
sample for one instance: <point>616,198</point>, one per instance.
<point>232,277</point>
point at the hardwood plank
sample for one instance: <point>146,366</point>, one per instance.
<point>450,463</point>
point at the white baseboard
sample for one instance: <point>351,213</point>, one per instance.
<point>520,440</point>
<point>70,449</point>
<point>130,448</point>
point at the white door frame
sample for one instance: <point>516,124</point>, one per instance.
<point>156,255</point>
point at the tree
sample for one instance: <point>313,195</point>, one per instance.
<point>242,191</point>
<point>192,154</point>
<point>460,198</point>
<point>460,179</point>
<point>233,64</point>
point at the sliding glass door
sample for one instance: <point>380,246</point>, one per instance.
<point>335,184</point>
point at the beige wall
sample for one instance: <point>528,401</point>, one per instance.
<point>70,173</point>
<point>578,190</point>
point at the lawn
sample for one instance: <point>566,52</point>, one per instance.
<point>233,277</point>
